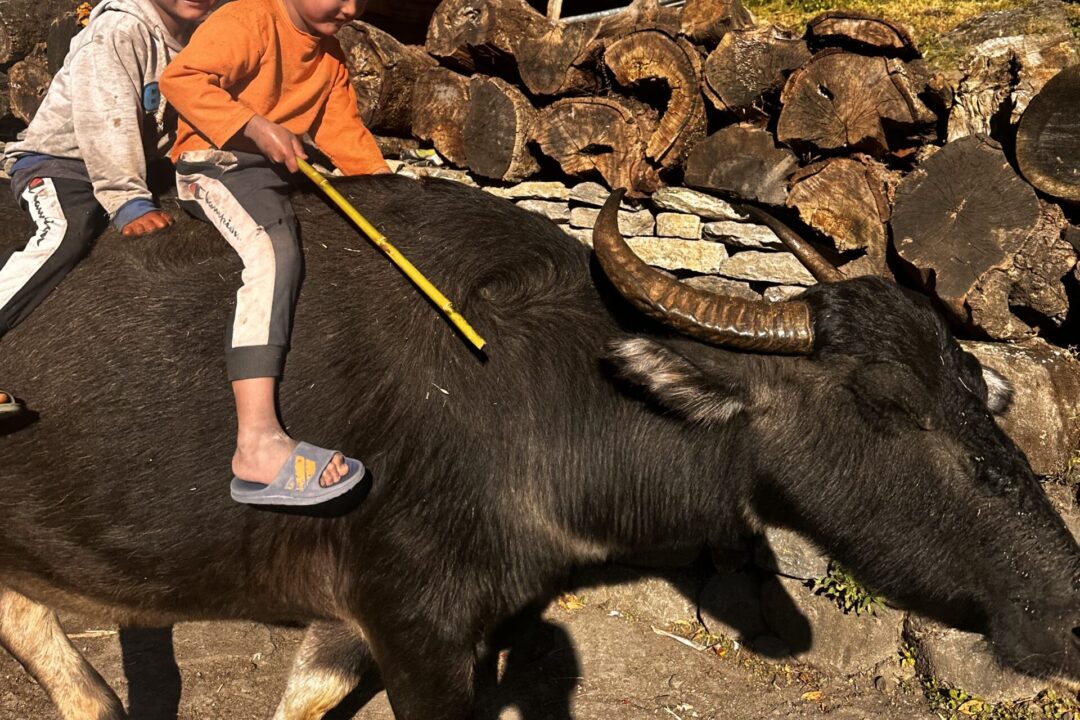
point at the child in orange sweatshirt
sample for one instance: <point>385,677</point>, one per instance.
<point>256,76</point>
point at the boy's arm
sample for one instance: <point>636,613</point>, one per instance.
<point>342,135</point>
<point>107,118</point>
<point>221,53</point>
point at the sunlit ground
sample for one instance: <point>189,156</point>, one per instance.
<point>925,18</point>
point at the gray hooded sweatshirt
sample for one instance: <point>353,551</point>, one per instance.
<point>103,108</point>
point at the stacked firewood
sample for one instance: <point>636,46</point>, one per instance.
<point>898,166</point>
<point>958,175</point>
<point>34,38</point>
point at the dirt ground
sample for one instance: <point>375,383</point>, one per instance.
<point>587,664</point>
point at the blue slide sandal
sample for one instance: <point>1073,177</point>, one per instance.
<point>10,406</point>
<point>297,482</point>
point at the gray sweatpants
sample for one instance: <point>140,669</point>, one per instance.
<point>247,200</point>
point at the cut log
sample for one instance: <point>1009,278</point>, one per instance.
<point>747,65</point>
<point>62,29</point>
<point>499,124</point>
<point>653,56</point>
<point>28,80</point>
<point>560,61</point>
<point>1000,77</point>
<point>383,72</point>
<point>861,32</point>
<point>1039,269</point>
<point>605,135</point>
<point>1010,302</point>
<point>841,100</point>
<point>640,15</point>
<point>23,25</point>
<point>9,124</point>
<point>564,59</point>
<point>996,62</point>
<point>440,102</point>
<point>846,199</point>
<point>472,34</point>
<point>1048,139</point>
<point>960,215</point>
<point>743,161</point>
<point>705,22</point>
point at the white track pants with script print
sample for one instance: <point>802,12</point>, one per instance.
<point>66,219</point>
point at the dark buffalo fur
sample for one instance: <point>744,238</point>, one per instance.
<point>492,476</point>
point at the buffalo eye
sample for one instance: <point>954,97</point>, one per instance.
<point>890,391</point>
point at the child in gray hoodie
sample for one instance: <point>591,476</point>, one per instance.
<point>83,159</point>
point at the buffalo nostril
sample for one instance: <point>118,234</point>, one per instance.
<point>1076,634</point>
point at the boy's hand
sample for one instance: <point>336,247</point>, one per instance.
<point>147,223</point>
<point>275,142</point>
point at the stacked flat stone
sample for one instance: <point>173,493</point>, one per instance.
<point>701,238</point>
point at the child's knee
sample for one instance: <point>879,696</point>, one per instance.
<point>288,257</point>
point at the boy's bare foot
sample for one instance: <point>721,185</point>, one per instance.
<point>259,457</point>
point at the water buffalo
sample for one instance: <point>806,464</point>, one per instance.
<point>590,428</point>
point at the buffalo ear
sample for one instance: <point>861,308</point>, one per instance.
<point>999,391</point>
<point>892,391</point>
<point>676,383</point>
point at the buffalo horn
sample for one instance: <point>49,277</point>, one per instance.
<point>823,270</point>
<point>755,325</point>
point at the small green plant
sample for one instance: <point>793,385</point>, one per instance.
<point>907,656</point>
<point>956,704</point>
<point>848,594</point>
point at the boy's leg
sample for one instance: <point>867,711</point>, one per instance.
<point>247,200</point>
<point>67,218</point>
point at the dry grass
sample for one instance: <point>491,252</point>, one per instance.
<point>925,18</point>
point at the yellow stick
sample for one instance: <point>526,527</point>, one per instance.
<point>400,260</point>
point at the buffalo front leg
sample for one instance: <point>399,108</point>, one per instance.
<point>330,662</point>
<point>426,677</point>
<point>32,634</point>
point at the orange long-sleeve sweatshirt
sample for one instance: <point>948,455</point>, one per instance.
<point>248,58</point>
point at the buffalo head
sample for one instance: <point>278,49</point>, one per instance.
<point>874,435</point>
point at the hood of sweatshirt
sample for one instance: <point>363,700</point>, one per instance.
<point>147,13</point>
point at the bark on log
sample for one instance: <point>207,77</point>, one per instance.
<point>28,80</point>
<point>383,72</point>
<point>498,127</point>
<point>747,65</point>
<point>23,25</point>
<point>840,100</point>
<point>1048,139</point>
<point>861,32</point>
<point>960,215</point>
<point>472,34</point>
<point>649,56</point>
<point>705,22</point>
<point>606,135</point>
<point>743,161</point>
<point>640,15</point>
<point>1010,302</point>
<point>563,60</point>
<point>440,102</point>
<point>846,199</point>
<point>999,79</point>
